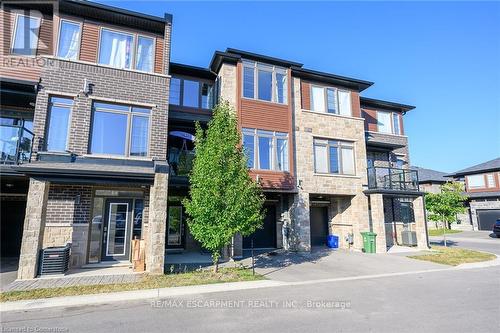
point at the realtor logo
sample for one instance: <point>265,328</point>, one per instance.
<point>27,28</point>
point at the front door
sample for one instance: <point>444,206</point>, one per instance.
<point>175,230</point>
<point>319,225</point>
<point>116,232</point>
<point>265,237</point>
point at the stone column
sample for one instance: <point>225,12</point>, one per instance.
<point>34,225</point>
<point>299,237</point>
<point>378,221</point>
<point>420,227</point>
<point>157,224</point>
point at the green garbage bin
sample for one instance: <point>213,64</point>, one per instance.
<point>369,245</point>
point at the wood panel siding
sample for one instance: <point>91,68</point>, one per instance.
<point>370,116</point>
<point>46,37</point>
<point>271,117</point>
<point>159,56</point>
<point>355,104</point>
<point>305,91</point>
<point>90,42</point>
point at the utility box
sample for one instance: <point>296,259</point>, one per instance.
<point>54,260</point>
<point>409,238</point>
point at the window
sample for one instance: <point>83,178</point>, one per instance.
<point>193,94</point>
<point>384,122</point>
<point>476,181</point>
<point>490,178</point>
<point>175,91</point>
<point>395,124</point>
<point>120,130</point>
<point>145,54</point>
<point>69,40</point>
<point>117,49</point>
<point>25,39</point>
<point>58,125</point>
<point>266,150</point>
<point>265,82</point>
<point>334,157</point>
<point>331,100</point>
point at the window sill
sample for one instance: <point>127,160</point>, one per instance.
<point>116,157</point>
<point>388,134</point>
<point>332,115</point>
<point>263,101</point>
<point>335,175</point>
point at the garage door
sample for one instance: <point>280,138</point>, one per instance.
<point>486,218</point>
<point>264,238</point>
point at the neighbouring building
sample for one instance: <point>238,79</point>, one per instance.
<point>97,142</point>
<point>482,186</point>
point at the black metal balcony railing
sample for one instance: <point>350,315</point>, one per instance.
<point>15,144</point>
<point>392,179</point>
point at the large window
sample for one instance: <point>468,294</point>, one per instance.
<point>266,150</point>
<point>190,93</point>
<point>58,123</point>
<point>334,157</point>
<point>476,181</point>
<point>388,122</point>
<point>69,40</point>
<point>120,130</point>
<point>25,37</point>
<point>119,49</point>
<point>265,82</point>
<point>331,100</point>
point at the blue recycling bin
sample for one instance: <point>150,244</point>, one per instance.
<point>332,241</point>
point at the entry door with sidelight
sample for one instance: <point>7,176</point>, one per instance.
<point>175,231</point>
<point>117,229</point>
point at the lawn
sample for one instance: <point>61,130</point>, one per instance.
<point>439,232</point>
<point>148,282</point>
<point>454,256</point>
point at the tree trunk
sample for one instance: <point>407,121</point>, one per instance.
<point>215,260</point>
<point>444,231</point>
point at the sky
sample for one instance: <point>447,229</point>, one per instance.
<point>442,57</point>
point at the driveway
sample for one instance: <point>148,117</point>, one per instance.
<point>475,240</point>
<point>324,263</point>
<point>8,271</point>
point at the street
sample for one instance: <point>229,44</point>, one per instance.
<point>445,301</point>
<point>475,240</point>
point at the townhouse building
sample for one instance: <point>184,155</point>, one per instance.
<point>98,141</point>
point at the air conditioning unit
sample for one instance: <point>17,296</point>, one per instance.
<point>54,260</point>
<point>409,238</point>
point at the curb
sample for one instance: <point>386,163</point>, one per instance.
<point>135,295</point>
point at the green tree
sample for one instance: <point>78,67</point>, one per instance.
<point>224,200</point>
<point>444,206</point>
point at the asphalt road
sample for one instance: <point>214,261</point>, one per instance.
<point>445,301</point>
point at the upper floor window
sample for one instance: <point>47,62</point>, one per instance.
<point>69,40</point>
<point>388,122</point>
<point>25,37</point>
<point>118,49</point>
<point>476,181</point>
<point>331,100</point>
<point>265,82</point>
<point>266,150</point>
<point>490,180</point>
<point>58,123</point>
<point>121,130</point>
<point>334,157</point>
<point>190,93</point>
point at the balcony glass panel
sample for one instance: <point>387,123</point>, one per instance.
<point>15,144</point>
<point>392,179</point>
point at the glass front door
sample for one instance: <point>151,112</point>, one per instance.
<point>175,233</point>
<point>116,232</point>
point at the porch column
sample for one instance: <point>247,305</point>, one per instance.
<point>34,226</point>
<point>378,221</point>
<point>155,242</point>
<point>420,227</point>
<point>299,237</point>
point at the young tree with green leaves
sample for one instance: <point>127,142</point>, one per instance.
<point>444,206</point>
<point>224,200</point>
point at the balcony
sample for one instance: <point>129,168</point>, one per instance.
<point>382,178</point>
<point>15,144</point>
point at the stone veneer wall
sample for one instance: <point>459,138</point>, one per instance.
<point>350,215</point>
